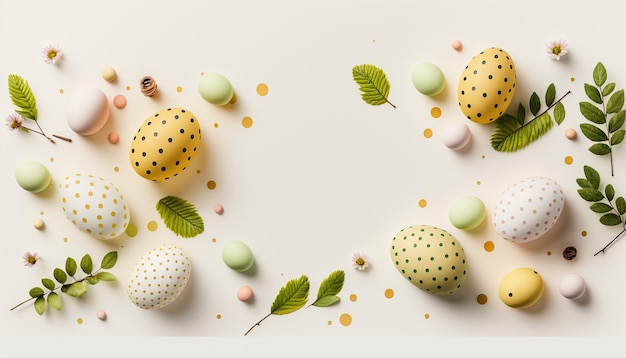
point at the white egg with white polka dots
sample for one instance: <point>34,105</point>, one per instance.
<point>159,277</point>
<point>528,209</point>
<point>94,205</point>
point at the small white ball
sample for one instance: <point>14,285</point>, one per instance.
<point>456,136</point>
<point>573,286</point>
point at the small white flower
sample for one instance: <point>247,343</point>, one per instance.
<point>14,121</point>
<point>556,49</point>
<point>359,261</point>
<point>52,53</point>
<point>30,259</point>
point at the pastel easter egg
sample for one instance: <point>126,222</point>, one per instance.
<point>32,176</point>
<point>467,213</point>
<point>87,111</point>
<point>572,286</point>
<point>94,205</point>
<point>521,288</point>
<point>159,277</point>
<point>456,136</point>
<point>430,258</point>
<point>165,144</point>
<point>487,85</point>
<point>526,210</point>
<point>215,88</point>
<point>428,79</point>
<point>237,255</point>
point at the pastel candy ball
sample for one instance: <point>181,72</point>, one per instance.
<point>215,89</point>
<point>32,176</point>
<point>428,79</point>
<point>456,136</point>
<point>572,286</point>
<point>244,293</point>
<point>237,256</point>
<point>521,288</point>
<point>109,74</point>
<point>467,213</point>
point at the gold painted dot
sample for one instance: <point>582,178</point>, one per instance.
<point>128,88</point>
<point>246,122</point>
<point>549,253</point>
<point>353,297</point>
<point>131,230</point>
<point>427,316</point>
<point>51,159</point>
<point>216,125</point>
<point>329,322</point>
<point>41,213</point>
<point>482,156</point>
<point>202,73</point>
<point>568,160</point>
<point>79,321</point>
<point>261,89</point>
<point>572,79</point>
<point>583,233</point>
<point>345,319</point>
<point>211,184</point>
<point>389,293</point>
<point>219,316</point>
<point>435,112</point>
<point>489,246</point>
<point>477,182</point>
<point>428,132</point>
<point>116,169</point>
<point>152,225</point>
<point>213,240</point>
<point>179,89</point>
<point>65,239</point>
<point>422,203</point>
<point>198,171</point>
<point>61,91</point>
<point>481,299</point>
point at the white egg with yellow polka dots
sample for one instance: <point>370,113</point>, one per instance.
<point>159,277</point>
<point>94,205</point>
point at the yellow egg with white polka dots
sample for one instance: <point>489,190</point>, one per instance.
<point>487,86</point>
<point>165,144</point>
<point>94,205</point>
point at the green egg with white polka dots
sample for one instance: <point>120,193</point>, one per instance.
<point>165,144</point>
<point>430,258</point>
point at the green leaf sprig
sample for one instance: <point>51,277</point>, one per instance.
<point>180,216</point>
<point>605,203</point>
<point>513,133</point>
<point>22,97</point>
<point>294,295</point>
<point>606,130</point>
<point>76,287</point>
<point>373,84</point>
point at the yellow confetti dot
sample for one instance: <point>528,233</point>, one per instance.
<point>435,112</point>
<point>261,89</point>
<point>477,182</point>
<point>51,159</point>
<point>489,246</point>
<point>329,322</point>
<point>422,203</point>
<point>428,132</point>
<point>202,73</point>
<point>219,316</point>
<point>583,233</point>
<point>152,225</point>
<point>79,321</point>
<point>572,79</point>
<point>179,89</point>
<point>345,319</point>
<point>389,293</point>
<point>61,91</point>
<point>211,184</point>
<point>128,88</point>
<point>549,253</point>
<point>131,230</point>
<point>481,299</point>
<point>216,124</point>
<point>353,297</point>
<point>568,160</point>
<point>116,169</point>
<point>482,156</point>
<point>65,239</point>
<point>213,240</point>
<point>427,316</point>
<point>246,122</point>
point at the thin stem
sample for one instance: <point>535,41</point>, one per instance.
<point>257,324</point>
<point>392,105</point>
<point>611,242</point>
<point>42,133</point>
<point>547,109</point>
<point>62,138</point>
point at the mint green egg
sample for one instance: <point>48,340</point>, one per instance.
<point>32,176</point>
<point>215,88</point>
<point>467,213</point>
<point>237,256</point>
<point>428,79</point>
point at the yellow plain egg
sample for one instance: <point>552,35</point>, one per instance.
<point>521,288</point>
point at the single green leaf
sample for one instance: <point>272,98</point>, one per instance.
<point>592,113</point>
<point>507,137</point>
<point>70,266</point>
<point>35,292</point>
<point>618,137</point>
<point>608,89</point>
<point>592,175</point>
<point>291,297</point>
<point>109,260</point>
<point>106,276</point>
<point>600,208</point>
<point>40,305</point>
<point>609,191</point>
<point>620,204</point>
<point>610,219</point>
<point>77,289</point>
<point>593,93</point>
<point>65,287</point>
<point>617,121</point>
<point>60,275</point>
<point>326,301</point>
<point>373,84</point>
<point>600,149</point>
<point>521,114</point>
<point>86,264</point>
<point>589,194</point>
<point>599,74</point>
<point>559,113</point>
<point>54,301</point>
<point>22,97</point>
<point>584,183</point>
<point>180,216</point>
<point>616,102</point>
<point>331,285</point>
<point>593,133</point>
<point>550,94</point>
<point>48,283</point>
<point>535,103</point>
<point>92,280</point>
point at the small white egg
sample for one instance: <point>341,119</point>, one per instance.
<point>573,286</point>
<point>456,136</point>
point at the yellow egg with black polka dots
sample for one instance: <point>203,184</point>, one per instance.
<point>165,144</point>
<point>94,205</point>
<point>487,86</point>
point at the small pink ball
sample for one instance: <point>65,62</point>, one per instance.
<point>101,315</point>
<point>244,293</point>
<point>457,45</point>
<point>119,101</point>
<point>570,133</point>
<point>219,209</point>
<point>114,138</point>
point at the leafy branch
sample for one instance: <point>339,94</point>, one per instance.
<point>294,295</point>
<point>513,132</point>
<point>76,288</point>
<point>612,209</point>
<point>180,216</point>
<point>609,133</point>
<point>373,84</point>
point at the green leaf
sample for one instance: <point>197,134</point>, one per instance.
<point>584,183</point>
<point>590,194</point>
<point>330,286</point>
<point>109,260</point>
<point>326,301</point>
<point>291,297</point>
<point>77,289</point>
<point>40,305</point>
<point>373,84</point>
<point>60,275</point>
<point>54,301</point>
<point>521,114</point>
<point>180,216</point>
<point>617,121</point>
<point>508,137</point>
<point>106,276</point>
<point>86,264</point>
<point>616,102</point>
<point>22,97</point>
<point>618,137</point>
<point>608,89</point>
<point>35,292</point>
<point>92,280</point>
<point>65,287</point>
<point>559,113</point>
<point>610,219</point>
<point>600,208</point>
<point>609,191</point>
<point>535,103</point>
<point>599,74</point>
<point>620,204</point>
<point>48,283</point>
<point>592,113</point>
<point>70,266</point>
<point>600,149</point>
<point>592,175</point>
<point>550,94</point>
<point>593,133</point>
<point>593,93</point>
